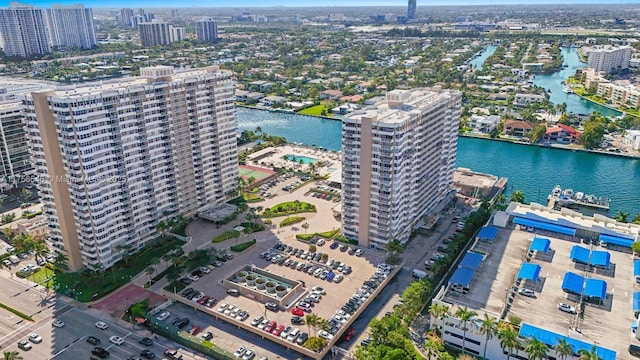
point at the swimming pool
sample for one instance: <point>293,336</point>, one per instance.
<point>298,158</point>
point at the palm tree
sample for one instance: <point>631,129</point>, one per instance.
<point>12,355</point>
<point>312,321</point>
<point>155,262</point>
<point>464,314</point>
<point>489,329</point>
<point>536,349</point>
<point>439,312</point>
<point>150,270</point>
<point>40,249</point>
<point>588,354</point>
<point>305,226</point>
<point>162,227</point>
<point>563,349</point>
<point>61,262</point>
<point>517,196</point>
<point>508,340</point>
<point>622,216</point>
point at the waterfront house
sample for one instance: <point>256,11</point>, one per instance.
<point>248,97</point>
<point>483,124</point>
<point>331,94</point>
<point>632,137</point>
<point>518,128</point>
<point>260,85</point>
<point>562,134</point>
<point>526,99</point>
<point>273,100</point>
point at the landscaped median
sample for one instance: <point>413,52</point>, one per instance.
<point>291,220</point>
<point>288,208</point>
<point>232,234</point>
<point>244,246</point>
<point>16,312</point>
<point>325,235</point>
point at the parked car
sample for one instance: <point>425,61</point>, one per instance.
<point>100,352</point>
<point>101,325</point>
<point>257,320</point>
<point>302,338</point>
<point>297,311</point>
<point>297,320</point>
<point>334,245</point>
<point>566,308</point>
<point>271,306</point>
<point>35,338</point>
<point>146,341</point>
<point>93,340</point>
<point>527,293</point>
<point>240,351</point>
<point>163,315</point>
<point>233,292</point>
<point>147,354</point>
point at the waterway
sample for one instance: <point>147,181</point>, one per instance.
<point>531,169</point>
<point>479,61</point>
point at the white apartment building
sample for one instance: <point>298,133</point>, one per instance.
<point>632,137</point>
<point>154,33</point>
<point>207,30</point>
<point>483,124</point>
<point>608,58</point>
<point>621,94</point>
<point>71,26</point>
<point>116,157</point>
<point>23,31</point>
<point>398,163</point>
<point>177,34</point>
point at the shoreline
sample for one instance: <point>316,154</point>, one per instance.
<point>603,105</point>
<point>282,111</point>
<point>557,146</point>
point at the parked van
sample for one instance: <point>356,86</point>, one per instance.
<point>14,259</point>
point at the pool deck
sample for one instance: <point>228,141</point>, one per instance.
<point>330,158</point>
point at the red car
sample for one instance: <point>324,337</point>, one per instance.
<point>297,311</point>
<point>195,330</point>
<point>270,327</point>
<point>278,330</point>
<point>203,300</point>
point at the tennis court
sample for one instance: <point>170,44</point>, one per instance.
<point>257,173</point>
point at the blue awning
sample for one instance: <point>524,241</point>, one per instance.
<point>462,276</point>
<point>595,288</point>
<point>636,268</point>
<point>471,260</point>
<point>529,271</point>
<point>634,325</point>
<point>551,338</point>
<point>545,226</point>
<point>572,283</point>
<point>540,245</point>
<point>636,301</point>
<point>579,254</point>
<point>488,233</point>
<point>600,258</point>
<point>616,240</point>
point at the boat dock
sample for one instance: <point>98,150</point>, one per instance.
<point>567,198</point>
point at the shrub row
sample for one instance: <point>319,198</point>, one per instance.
<point>16,312</point>
<point>291,220</point>
<point>244,246</point>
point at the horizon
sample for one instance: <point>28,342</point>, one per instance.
<point>295,4</point>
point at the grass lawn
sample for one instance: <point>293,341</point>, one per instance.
<point>86,284</point>
<point>291,220</point>
<point>44,276</point>
<point>226,236</point>
<point>315,111</point>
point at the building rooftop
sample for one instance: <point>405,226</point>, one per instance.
<point>494,286</point>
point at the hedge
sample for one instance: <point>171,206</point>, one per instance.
<point>244,246</point>
<point>226,236</point>
<point>305,237</point>
<point>291,220</point>
<point>16,312</point>
<point>328,234</point>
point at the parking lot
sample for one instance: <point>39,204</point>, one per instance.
<point>328,300</point>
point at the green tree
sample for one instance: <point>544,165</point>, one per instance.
<point>464,314</point>
<point>305,226</point>
<point>312,322</point>
<point>489,329</point>
<point>162,227</point>
<point>537,133</point>
<point>592,135</point>
<point>315,343</point>
<point>636,219</point>
<point>517,196</point>
<point>439,312</point>
<point>150,270</point>
<point>536,349</point>
<point>508,340</point>
<point>61,262</point>
<point>563,349</point>
<point>622,216</point>
<point>588,354</point>
<point>12,355</point>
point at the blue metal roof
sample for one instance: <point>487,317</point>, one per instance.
<point>595,288</point>
<point>488,233</point>
<point>545,226</point>
<point>471,260</point>
<point>529,271</point>
<point>462,276</point>
<point>550,338</point>
<point>579,254</point>
<point>616,240</point>
<point>636,301</point>
<point>600,258</point>
<point>636,268</point>
<point>572,283</point>
<point>540,244</point>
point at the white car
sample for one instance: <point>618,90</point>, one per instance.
<point>58,323</point>
<point>222,307</point>
<point>116,340</point>
<point>263,324</point>
<point>338,278</point>
<point>101,325</point>
<point>205,269</point>
<point>229,309</point>
<point>35,338</point>
<point>343,314</point>
<point>193,277</point>
<point>527,293</point>
<point>241,350</point>
<point>325,334</point>
<point>359,252</point>
<point>249,355</point>
<point>163,315</point>
<point>319,290</point>
<point>320,242</point>
<point>566,308</point>
<point>199,296</point>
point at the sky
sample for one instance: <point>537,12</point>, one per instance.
<point>296,3</point>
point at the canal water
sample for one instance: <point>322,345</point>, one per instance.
<point>479,61</point>
<point>531,169</point>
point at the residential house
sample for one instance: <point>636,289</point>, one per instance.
<point>562,134</point>
<point>273,100</point>
<point>483,124</point>
<point>352,98</point>
<point>518,128</point>
<point>331,94</point>
<point>248,96</point>
<point>344,109</point>
<point>35,227</point>
<point>260,85</point>
<point>632,137</point>
<point>526,99</point>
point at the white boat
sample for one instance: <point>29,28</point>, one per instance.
<point>568,192</point>
<point>557,191</point>
<point>579,196</point>
<point>567,90</point>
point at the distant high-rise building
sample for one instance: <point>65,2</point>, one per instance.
<point>398,160</point>
<point>174,13</point>
<point>177,34</point>
<point>207,30</point>
<point>411,10</point>
<point>71,26</point>
<point>126,16</point>
<point>122,154</point>
<point>136,20</point>
<point>23,30</point>
<point>153,33</point>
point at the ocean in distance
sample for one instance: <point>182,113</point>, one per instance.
<point>532,169</point>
